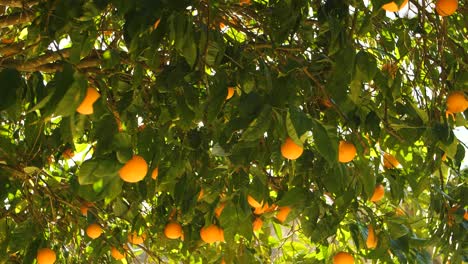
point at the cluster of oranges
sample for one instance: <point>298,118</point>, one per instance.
<point>443,7</point>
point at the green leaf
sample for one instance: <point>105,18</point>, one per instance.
<point>11,85</point>
<point>365,67</point>
<point>92,170</point>
<point>326,144</point>
<point>259,125</point>
<point>73,96</point>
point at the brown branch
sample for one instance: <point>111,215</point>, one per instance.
<point>9,50</point>
<point>15,19</point>
<point>19,3</point>
<point>31,65</point>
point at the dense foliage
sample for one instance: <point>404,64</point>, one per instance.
<point>309,72</point>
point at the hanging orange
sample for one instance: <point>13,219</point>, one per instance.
<point>393,7</point>
<point>86,106</point>
<point>46,256</point>
<point>291,150</point>
<point>346,151</point>
<point>343,258</point>
<point>446,7</point>
<point>134,170</point>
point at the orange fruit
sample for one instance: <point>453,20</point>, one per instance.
<point>446,7</point>
<point>230,93</point>
<point>252,202</point>
<point>465,215</point>
<point>244,2</point>
<point>326,103</point>
<point>94,231</point>
<point>343,258</point>
<point>68,153</point>
<point>156,24</point>
<point>399,211</point>
<point>371,241</point>
<point>456,102</point>
<point>265,209</point>
<point>8,40</point>
<point>444,157</point>
<point>135,239</point>
<point>115,253</point>
<point>155,173</point>
<point>84,209</point>
<point>283,213</point>
<point>86,106</point>
<point>393,7</point>
<point>379,193</point>
<point>290,150</point>
<point>134,170</point>
<point>389,161</point>
<point>223,261</point>
<point>260,210</point>
<point>173,230</point>
<point>346,151</point>
<point>200,195</point>
<point>46,256</point>
<point>211,234</point>
<point>257,224</point>
<point>219,209</point>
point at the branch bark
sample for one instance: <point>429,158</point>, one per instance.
<point>19,3</point>
<point>15,19</point>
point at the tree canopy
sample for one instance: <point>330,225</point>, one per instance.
<point>226,131</point>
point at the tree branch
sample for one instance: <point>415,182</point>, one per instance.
<point>19,3</point>
<point>15,19</point>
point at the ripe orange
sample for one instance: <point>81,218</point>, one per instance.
<point>115,253</point>
<point>230,93</point>
<point>393,7</point>
<point>135,239</point>
<point>84,209</point>
<point>283,213</point>
<point>389,161</point>
<point>465,215</point>
<point>265,209</point>
<point>223,261</point>
<point>379,193</point>
<point>252,202</point>
<point>343,258</point>
<point>134,170</point>
<point>46,256</point>
<point>346,151</point>
<point>244,2</point>
<point>200,195</point>
<point>155,173</point>
<point>262,209</point>
<point>291,150</point>
<point>257,224</point>
<point>371,241</point>
<point>173,230</point>
<point>219,209</point>
<point>156,24</point>
<point>211,234</point>
<point>326,103</point>
<point>68,153</point>
<point>456,102</point>
<point>446,7</point>
<point>86,106</point>
<point>94,231</point>
<point>8,40</point>
<point>399,211</point>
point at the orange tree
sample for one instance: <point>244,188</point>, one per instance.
<point>148,130</point>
